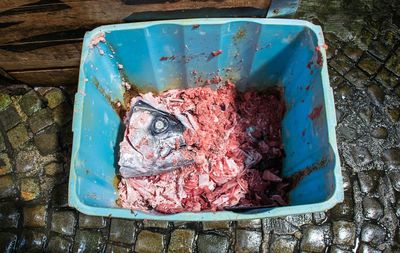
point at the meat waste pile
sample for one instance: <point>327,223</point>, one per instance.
<point>237,141</point>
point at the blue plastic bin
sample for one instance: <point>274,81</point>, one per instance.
<point>256,53</point>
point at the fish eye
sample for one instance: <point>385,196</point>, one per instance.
<point>160,125</point>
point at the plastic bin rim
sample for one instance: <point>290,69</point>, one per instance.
<point>337,196</point>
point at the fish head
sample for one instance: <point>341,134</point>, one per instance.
<point>153,142</point>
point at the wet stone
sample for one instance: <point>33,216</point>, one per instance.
<point>35,216</point>
<point>341,64</point>
<point>300,219</point>
<point>336,249</point>
<point>393,64</point>
<point>368,180</point>
<point>365,248</point>
<point>58,244</point>
<point>378,49</point>
<point>376,94</point>
<point>211,225</point>
<point>335,78</point>
<point>361,155</point>
<point>344,210</point>
<point>283,244</point>
<point>2,143</point>
<point>125,235</point>
<point>344,233</point>
<point>353,53</point>
<point>28,160</point>
<point>63,222</point>
<point>366,114</point>
<point>54,97</point>
<point>248,241</point>
<point>62,114</point>
<point>60,196</point>
<point>313,239</point>
<point>357,77</point>
<point>53,169</point>
<point>395,179</point>
<point>149,242</point>
<point>372,233</point>
<point>387,78</point>
<point>391,157</point>
<point>30,188</point>
<point>40,120</point>
<point>181,241</point>
<point>87,221</point>
<point>5,164</point>
<point>9,118</point>
<point>394,114</point>
<point>347,182</point>
<point>9,215</point>
<point>347,133</point>
<point>249,223</point>
<point>18,136</point>
<point>116,249</point>
<point>155,224</point>
<point>372,208</point>
<point>369,64</point>
<point>47,141</point>
<point>212,243</point>
<point>319,217</point>
<point>279,226</point>
<point>7,242</point>
<point>47,184</point>
<point>344,90</point>
<point>31,241</point>
<point>7,187</point>
<point>5,101</point>
<point>379,133</point>
<point>88,241</point>
<point>30,103</point>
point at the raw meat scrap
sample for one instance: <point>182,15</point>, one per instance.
<point>234,135</point>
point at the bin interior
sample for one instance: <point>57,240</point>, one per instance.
<point>157,56</point>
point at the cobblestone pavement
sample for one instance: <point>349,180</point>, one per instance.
<point>364,67</point>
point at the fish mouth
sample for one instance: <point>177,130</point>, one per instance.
<point>153,142</point>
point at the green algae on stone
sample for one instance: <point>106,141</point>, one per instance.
<point>18,136</point>
<point>30,103</point>
<point>9,118</point>
<point>5,101</point>
<point>181,241</point>
<point>40,120</point>
<point>54,97</point>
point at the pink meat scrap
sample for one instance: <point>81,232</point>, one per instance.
<point>232,134</point>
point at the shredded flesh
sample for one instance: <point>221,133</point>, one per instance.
<point>235,135</point>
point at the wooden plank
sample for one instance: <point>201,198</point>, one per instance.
<point>40,55</point>
<point>48,77</point>
<point>39,20</point>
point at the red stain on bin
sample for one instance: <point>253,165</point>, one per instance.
<point>315,112</point>
<point>195,26</point>
<point>216,53</point>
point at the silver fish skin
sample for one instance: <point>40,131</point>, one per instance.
<point>153,143</point>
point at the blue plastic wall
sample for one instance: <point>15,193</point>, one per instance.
<point>256,53</point>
